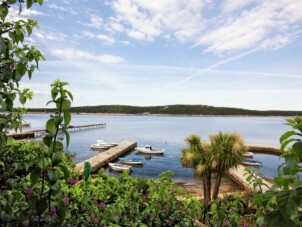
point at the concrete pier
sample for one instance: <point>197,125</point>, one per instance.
<point>237,175</point>
<point>105,157</point>
<point>264,149</point>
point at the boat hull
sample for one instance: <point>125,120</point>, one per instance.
<point>255,163</point>
<point>248,154</point>
<point>148,151</point>
<point>119,167</point>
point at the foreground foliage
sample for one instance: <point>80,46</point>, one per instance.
<point>281,205</point>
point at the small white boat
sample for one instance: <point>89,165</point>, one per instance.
<point>247,154</point>
<point>251,162</point>
<point>25,124</point>
<point>119,167</point>
<point>131,161</point>
<point>148,150</point>
<point>101,144</point>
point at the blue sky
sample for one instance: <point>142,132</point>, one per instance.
<point>230,53</point>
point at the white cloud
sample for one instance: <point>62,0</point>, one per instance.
<point>26,13</point>
<point>113,26</point>
<point>107,40</point>
<point>71,54</point>
<point>232,5</point>
<point>125,42</point>
<point>146,20</point>
<point>61,8</point>
<point>95,22</point>
<point>50,36</point>
<point>137,35</point>
<point>268,24</point>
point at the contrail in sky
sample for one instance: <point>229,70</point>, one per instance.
<point>214,66</point>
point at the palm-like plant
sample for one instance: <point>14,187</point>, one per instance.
<point>222,153</point>
<point>196,156</point>
<point>226,153</point>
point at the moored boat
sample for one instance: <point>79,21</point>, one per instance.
<point>251,162</point>
<point>119,167</point>
<point>248,154</point>
<point>101,144</point>
<point>25,124</point>
<point>148,150</point>
<point>131,161</point>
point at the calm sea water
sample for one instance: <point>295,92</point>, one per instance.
<point>168,132</point>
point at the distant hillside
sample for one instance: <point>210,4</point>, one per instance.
<point>173,110</point>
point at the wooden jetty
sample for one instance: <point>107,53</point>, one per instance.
<point>42,132</point>
<point>105,157</point>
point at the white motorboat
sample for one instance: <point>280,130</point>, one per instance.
<point>25,124</point>
<point>131,161</point>
<point>148,150</point>
<point>119,167</point>
<point>101,144</point>
<point>247,154</point>
<point>251,162</point>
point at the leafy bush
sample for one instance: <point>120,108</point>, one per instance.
<point>18,159</point>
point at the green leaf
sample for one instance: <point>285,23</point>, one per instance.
<point>67,118</point>
<point>286,135</point>
<point>48,139</point>
<point>29,3</point>
<point>285,143</point>
<point>21,68</point>
<point>298,149</point>
<point>54,93</point>
<point>70,95</point>
<point>41,205</point>
<point>35,175</point>
<point>65,170</point>
<point>12,1</point>
<point>9,104</point>
<point>51,126</point>
<point>66,104</point>
<point>286,203</point>
<point>29,30</point>
<point>276,219</point>
<point>22,99</point>
<point>67,138</point>
<point>87,170</point>
<point>49,102</point>
<point>2,46</point>
<point>43,163</point>
<point>40,2</point>
<point>29,74</point>
<point>53,176</point>
<point>56,158</point>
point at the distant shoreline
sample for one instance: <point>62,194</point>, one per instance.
<point>172,110</point>
<point>165,115</point>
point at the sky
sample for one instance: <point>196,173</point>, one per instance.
<point>230,53</point>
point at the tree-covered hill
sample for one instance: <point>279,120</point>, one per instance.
<point>173,110</point>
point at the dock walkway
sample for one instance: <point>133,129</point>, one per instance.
<point>105,157</point>
<point>237,175</point>
<point>42,132</point>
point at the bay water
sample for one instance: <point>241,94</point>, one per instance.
<point>168,133</point>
